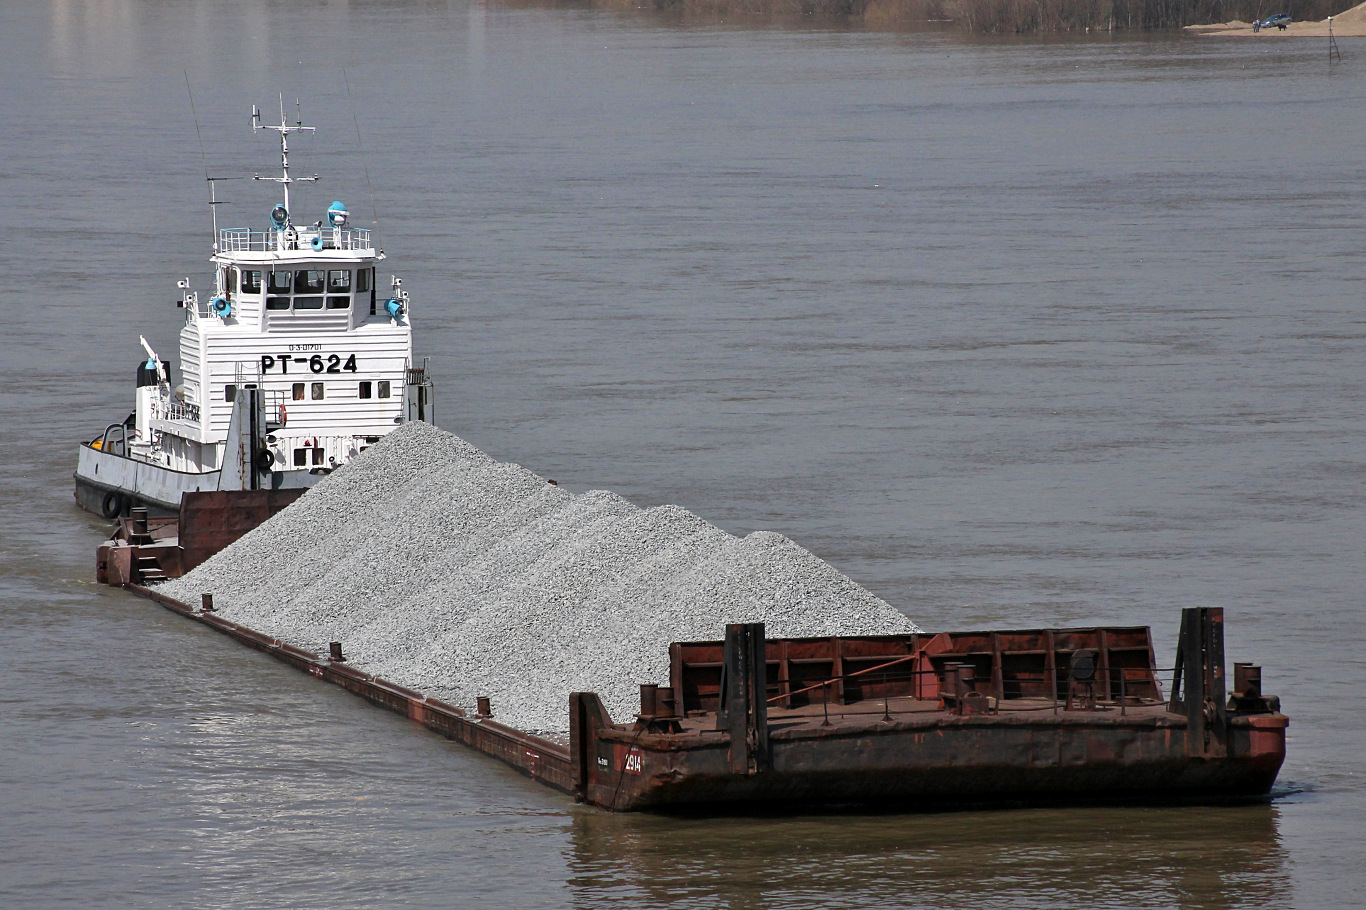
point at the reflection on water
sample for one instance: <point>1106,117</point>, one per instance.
<point>1150,858</point>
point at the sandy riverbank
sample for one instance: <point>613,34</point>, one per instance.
<point>1349,24</point>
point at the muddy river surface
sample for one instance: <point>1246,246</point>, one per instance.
<point>1015,333</point>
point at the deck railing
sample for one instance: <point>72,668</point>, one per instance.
<point>175,410</point>
<point>245,240</point>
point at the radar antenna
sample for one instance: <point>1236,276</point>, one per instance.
<point>284,129</point>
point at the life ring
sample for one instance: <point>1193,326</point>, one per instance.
<point>284,416</point>
<point>112,504</point>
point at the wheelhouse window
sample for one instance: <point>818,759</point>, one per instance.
<point>230,392</point>
<point>365,390</point>
<point>279,287</point>
<point>365,284</point>
<point>339,289</point>
<point>317,391</point>
<point>383,389</point>
<point>251,281</point>
<point>230,285</point>
<point>308,303</point>
<point>309,281</point>
<point>298,391</point>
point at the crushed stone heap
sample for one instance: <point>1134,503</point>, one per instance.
<point>443,570</point>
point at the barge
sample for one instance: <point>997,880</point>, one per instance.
<point>909,721</point>
<point>294,367</point>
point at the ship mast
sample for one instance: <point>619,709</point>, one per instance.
<point>284,129</point>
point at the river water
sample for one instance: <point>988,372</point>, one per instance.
<point>1014,333</point>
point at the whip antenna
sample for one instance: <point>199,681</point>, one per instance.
<point>361,145</point>
<point>204,159</point>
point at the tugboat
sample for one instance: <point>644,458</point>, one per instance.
<point>293,366</point>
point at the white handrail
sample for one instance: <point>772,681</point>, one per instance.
<point>245,240</point>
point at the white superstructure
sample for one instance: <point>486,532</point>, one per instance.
<point>296,362</point>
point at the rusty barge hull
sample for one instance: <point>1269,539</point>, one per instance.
<point>921,721</point>
<point>938,763</point>
<point>148,547</point>
<point>902,721</point>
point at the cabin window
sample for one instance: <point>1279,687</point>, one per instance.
<point>339,283</point>
<point>277,303</point>
<point>383,388</point>
<point>365,390</point>
<point>317,391</point>
<point>281,282</point>
<point>230,286</point>
<point>298,391</point>
<point>308,303</point>
<point>318,454</point>
<point>301,458</point>
<point>365,283</point>
<point>230,392</point>
<point>309,281</point>
<point>251,281</point>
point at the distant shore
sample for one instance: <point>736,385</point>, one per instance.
<point>1350,29</point>
<point>1003,17</point>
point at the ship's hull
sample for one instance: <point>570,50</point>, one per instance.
<point>109,485</point>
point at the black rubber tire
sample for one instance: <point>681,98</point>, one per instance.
<point>265,460</point>
<point>112,505</point>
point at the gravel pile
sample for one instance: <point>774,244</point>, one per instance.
<point>443,570</point>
